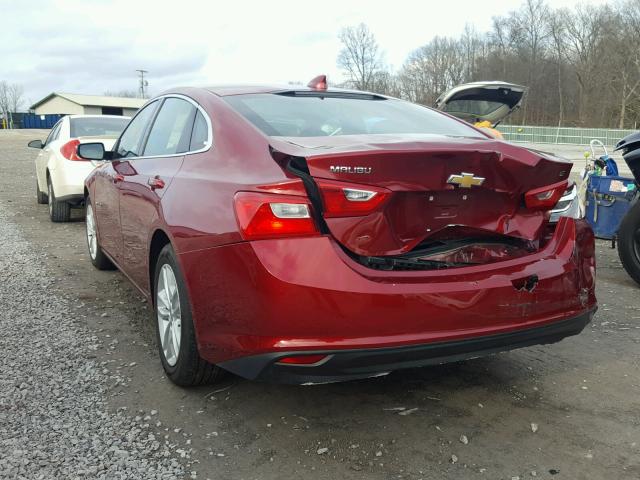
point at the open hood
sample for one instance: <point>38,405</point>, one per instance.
<point>481,101</point>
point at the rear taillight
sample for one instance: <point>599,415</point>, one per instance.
<point>350,200</point>
<point>69,150</point>
<point>263,215</point>
<point>545,198</point>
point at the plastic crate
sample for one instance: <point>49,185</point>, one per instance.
<point>608,200</point>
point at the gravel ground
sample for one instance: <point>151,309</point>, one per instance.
<point>80,366</point>
<point>54,420</point>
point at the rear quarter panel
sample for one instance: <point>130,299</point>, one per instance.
<point>197,209</point>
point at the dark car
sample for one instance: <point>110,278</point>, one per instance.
<point>628,234</point>
<point>309,235</point>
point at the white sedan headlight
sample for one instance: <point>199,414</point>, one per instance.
<point>567,206</point>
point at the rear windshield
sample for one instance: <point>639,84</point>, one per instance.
<point>92,126</point>
<point>317,115</point>
<point>473,107</point>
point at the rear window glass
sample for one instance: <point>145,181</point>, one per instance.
<point>316,115</point>
<point>473,107</point>
<point>200,133</point>
<point>96,126</point>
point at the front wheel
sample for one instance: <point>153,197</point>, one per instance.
<point>175,331</point>
<point>629,242</point>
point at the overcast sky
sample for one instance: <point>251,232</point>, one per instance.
<point>91,46</point>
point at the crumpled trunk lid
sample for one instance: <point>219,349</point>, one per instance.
<point>440,187</point>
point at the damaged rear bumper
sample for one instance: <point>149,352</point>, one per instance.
<point>284,297</point>
<point>341,365</point>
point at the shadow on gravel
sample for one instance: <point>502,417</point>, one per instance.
<point>405,392</point>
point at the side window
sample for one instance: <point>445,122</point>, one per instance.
<point>130,144</point>
<point>171,130</point>
<point>53,135</point>
<point>200,135</point>
<point>56,134</point>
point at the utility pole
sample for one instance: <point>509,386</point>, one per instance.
<point>143,84</point>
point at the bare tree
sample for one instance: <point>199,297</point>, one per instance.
<point>470,45</point>
<point>4,104</point>
<point>386,83</point>
<point>11,100</point>
<point>625,57</point>
<point>15,96</point>
<point>557,30</point>
<point>585,30</point>
<point>528,31</point>
<point>581,65</point>
<point>500,41</point>
<point>360,56</point>
<point>4,97</point>
<point>121,93</point>
<point>432,69</point>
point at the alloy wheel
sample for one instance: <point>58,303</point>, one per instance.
<point>92,240</point>
<point>169,314</point>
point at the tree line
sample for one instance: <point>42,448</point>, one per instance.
<point>581,65</point>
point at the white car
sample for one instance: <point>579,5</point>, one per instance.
<point>60,172</point>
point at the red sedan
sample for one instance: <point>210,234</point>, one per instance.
<point>309,235</point>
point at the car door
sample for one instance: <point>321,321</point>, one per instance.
<point>110,175</point>
<point>44,154</point>
<point>146,179</point>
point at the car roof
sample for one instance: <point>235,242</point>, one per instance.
<point>97,116</point>
<point>240,89</point>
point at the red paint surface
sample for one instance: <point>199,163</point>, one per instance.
<point>301,293</point>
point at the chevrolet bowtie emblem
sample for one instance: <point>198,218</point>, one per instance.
<point>465,180</point>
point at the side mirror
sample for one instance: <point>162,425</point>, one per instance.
<point>35,144</point>
<point>91,151</point>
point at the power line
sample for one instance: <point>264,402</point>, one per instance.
<point>143,84</point>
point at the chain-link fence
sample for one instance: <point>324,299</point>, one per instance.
<point>562,135</point>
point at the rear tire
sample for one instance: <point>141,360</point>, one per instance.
<point>41,196</point>
<point>175,332</point>
<point>629,242</point>
<point>58,211</point>
<point>97,256</point>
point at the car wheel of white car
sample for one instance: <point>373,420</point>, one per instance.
<point>174,326</point>
<point>98,258</point>
<point>58,211</point>
<point>41,196</point>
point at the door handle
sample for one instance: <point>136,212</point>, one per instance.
<point>155,182</point>
<point>118,177</point>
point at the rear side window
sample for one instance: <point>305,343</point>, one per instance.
<point>171,131</point>
<point>131,142</point>
<point>53,135</point>
<point>304,114</point>
<point>96,126</point>
<point>200,135</point>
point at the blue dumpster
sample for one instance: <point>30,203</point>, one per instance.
<point>31,120</point>
<point>608,200</point>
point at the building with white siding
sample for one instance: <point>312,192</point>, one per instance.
<point>74,104</point>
